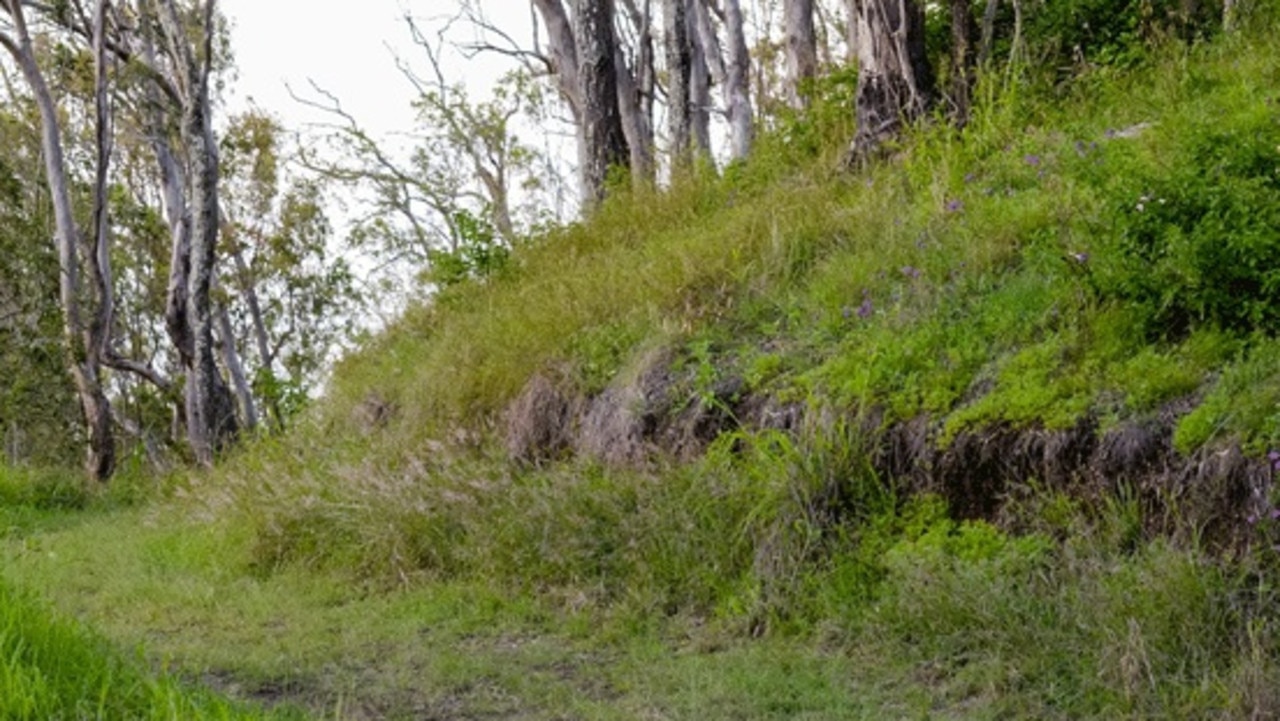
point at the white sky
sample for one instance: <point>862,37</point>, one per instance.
<point>348,51</point>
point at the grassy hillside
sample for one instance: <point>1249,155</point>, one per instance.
<point>1086,269</point>
<point>981,431</point>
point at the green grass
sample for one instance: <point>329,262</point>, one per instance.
<point>910,614</point>
<point>51,667</point>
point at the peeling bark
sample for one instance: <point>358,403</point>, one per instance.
<point>211,422</point>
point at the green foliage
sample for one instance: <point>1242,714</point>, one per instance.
<point>474,252</point>
<point>1243,405</point>
<point>39,418</point>
<point>1112,32</point>
<point>1195,234</point>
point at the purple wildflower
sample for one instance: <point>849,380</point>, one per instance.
<point>969,178</point>
<point>865,309</point>
<point>911,272</point>
<point>1032,159</point>
<point>955,205</point>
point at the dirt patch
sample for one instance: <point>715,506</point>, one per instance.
<point>373,413</point>
<point>540,422</point>
<point>618,427</point>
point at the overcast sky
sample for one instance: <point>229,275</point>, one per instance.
<point>348,51</point>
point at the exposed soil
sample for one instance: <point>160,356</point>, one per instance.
<point>654,411</point>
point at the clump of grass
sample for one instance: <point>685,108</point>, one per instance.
<point>52,668</point>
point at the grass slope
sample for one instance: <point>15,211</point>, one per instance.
<point>1101,249</point>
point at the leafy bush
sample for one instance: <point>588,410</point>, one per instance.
<point>1111,32</point>
<point>1196,236</point>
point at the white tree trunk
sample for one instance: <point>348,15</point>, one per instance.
<point>801,48</point>
<point>737,82</point>
<point>83,344</point>
<point>564,67</point>
<point>730,69</point>
<point>211,423</point>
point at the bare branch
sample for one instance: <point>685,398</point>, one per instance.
<point>142,370</point>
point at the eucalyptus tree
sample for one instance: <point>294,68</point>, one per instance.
<point>606,141</point>
<point>211,418</point>
<point>86,330</point>
<point>583,57</point>
<point>801,48</point>
<point>895,79</point>
<point>679,57</point>
<point>171,50</point>
<point>167,52</point>
<point>730,65</point>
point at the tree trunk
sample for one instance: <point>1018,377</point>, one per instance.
<point>82,344</point>
<point>214,408</point>
<point>802,49</point>
<point>637,118</point>
<point>564,67</point>
<point>211,422</point>
<point>637,129</point>
<point>606,142</point>
<point>699,90</point>
<point>731,72</point>
<point>266,356</point>
<point>963,31</point>
<point>231,358</point>
<point>679,54</point>
<point>737,83</point>
<point>894,78</point>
